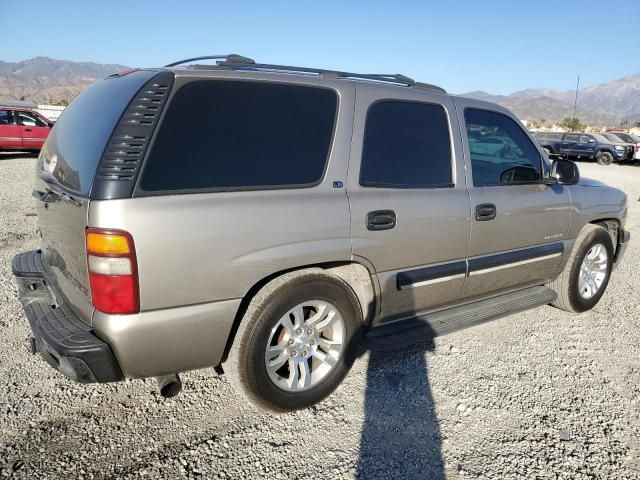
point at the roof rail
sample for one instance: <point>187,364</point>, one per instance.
<point>238,62</point>
<point>232,57</point>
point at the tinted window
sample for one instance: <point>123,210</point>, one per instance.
<point>82,131</point>
<point>406,145</point>
<point>572,138</point>
<point>501,153</point>
<point>6,118</point>
<point>247,135</point>
<point>585,139</point>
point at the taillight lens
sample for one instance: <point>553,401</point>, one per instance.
<point>113,271</point>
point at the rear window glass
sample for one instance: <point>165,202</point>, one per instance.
<point>82,131</point>
<point>406,145</point>
<point>227,135</point>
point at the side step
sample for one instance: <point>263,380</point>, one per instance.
<point>418,329</point>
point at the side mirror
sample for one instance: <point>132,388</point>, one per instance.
<point>565,172</point>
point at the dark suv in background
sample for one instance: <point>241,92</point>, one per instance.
<point>627,138</point>
<point>589,146</point>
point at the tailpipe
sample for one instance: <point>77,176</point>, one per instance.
<point>169,385</point>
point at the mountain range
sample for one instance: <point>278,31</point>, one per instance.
<point>45,80</point>
<point>49,81</point>
<point>604,104</point>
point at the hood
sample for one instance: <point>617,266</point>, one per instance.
<point>589,182</point>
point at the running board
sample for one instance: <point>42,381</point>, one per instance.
<point>418,329</point>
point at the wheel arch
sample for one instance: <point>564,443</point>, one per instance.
<point>612,225</point>
<point>357,275</point>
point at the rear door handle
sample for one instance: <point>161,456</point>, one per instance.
<point>381,220</point>
<point>485,212</point>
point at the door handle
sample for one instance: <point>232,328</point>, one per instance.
<point>381,220</point>
<point>485,212</point>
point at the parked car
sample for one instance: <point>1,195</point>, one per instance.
<point>589,146</point>
<point>308,212</point>
<point>631,139</point>
<point>617,141</point>
<point>22,129</point>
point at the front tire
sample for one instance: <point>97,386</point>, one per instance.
<point>586,274</point>
<point>296,342</point>
<point>604,158</point>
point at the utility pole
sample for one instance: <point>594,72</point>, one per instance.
<point>575,102</point>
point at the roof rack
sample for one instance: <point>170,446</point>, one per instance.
<point>232,57</point>
<point>238,62</point>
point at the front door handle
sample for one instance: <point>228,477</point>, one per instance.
<point>485,212</point>
<point>381,220</point>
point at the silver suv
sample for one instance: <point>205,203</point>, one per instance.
<point>269,220</point>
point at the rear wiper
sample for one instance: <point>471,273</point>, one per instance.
<point>53,195</point>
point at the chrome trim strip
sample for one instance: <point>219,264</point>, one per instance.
<point>444,272</point>
<point>513,264</point>
<point>11,139</point>
<point>432,281</point>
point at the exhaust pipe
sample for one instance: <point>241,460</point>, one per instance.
<point>169,385</point>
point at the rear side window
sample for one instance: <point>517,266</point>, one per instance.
<point>229,135</point>
<point>501,153</point>
<point>6,117</point>
<point>406,145</point>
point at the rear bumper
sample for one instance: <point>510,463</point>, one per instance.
<point>623,242</point>
<point>66,342</point>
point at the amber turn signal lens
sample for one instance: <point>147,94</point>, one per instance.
<point>107,243</point>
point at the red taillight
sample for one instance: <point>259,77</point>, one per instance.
<point>113,271</point>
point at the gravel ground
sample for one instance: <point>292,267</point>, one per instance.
<point>543,394</point>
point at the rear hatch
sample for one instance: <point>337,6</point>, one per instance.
<point>65,175</point>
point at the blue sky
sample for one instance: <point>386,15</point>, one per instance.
<point>496,46</point>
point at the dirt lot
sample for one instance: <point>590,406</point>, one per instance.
<point>543,394</point>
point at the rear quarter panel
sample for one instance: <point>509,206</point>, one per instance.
<point>205,247</point>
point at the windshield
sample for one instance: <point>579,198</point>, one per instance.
<point>612,137</point>
<point>600,138</point>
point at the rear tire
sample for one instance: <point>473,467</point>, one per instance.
<point>287,317</point>
<point>570,285</point>
<point>604,158</point>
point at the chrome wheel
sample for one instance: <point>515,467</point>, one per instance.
<point>305,345</point>
<point>593,271</point>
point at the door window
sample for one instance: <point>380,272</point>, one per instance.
<point>585,139</point>
<point>29,120</point>
<point>501,153</point>
<point>406,145</point>
<point>572,138</point>
<point>7,118</point>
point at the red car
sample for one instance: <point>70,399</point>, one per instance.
<point>22,129</point>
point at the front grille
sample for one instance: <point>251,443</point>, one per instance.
<point>127,146</point>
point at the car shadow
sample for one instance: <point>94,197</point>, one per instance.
<point>400,434</point>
